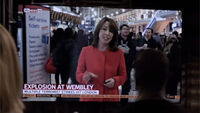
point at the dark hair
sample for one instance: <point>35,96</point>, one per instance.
<point>181,34</point>
<point>113,28</point>
<point>58,34</point>
<point>151,69</point>
<point>123,26</point>
<point>150,29</point>
<point>140,34</point>
<point>68,33</point>
<point>175,33</point>
<point>58,31</point>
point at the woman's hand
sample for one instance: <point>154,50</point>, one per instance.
<point>88,76</point>
<point>109,83</point>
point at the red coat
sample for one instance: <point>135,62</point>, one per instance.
<point>105,64</point>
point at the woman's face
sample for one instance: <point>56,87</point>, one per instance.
<point>105,36</point>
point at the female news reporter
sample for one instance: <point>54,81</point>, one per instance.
<point>10,76</point>
<point>102,64</point>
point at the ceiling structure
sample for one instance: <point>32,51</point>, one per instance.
<point>107,3</point>
<point>91,12</point>
<point>106,7</point>
<point>147,4</point>
<point>87,9</point>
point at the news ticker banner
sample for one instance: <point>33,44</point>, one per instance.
<point>68,91</point>
<point>83,96</point>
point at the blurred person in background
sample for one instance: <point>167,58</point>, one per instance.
<point>64,56</point>
<point>56,39</point>
<point>174,56</point>
<point>10,75</point>
<point>125,43</point>
<point>152,69</point>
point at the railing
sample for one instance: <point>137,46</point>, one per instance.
<point>152,21</point>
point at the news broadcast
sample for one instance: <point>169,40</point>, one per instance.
<point>90,53</point>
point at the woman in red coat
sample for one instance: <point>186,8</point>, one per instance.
<point>102,64</point>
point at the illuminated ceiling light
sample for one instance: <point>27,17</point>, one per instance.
<point>45,5</point>
<point>123,10</point>
<point>117,12</point>
<point>95,13</point>
<point>57,9</point>
<point>82,22</point>
<point>112,14</point>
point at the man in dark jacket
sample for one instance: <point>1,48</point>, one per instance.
<point>147,41</point>
<point>126,44</point>
<point>174,56</point>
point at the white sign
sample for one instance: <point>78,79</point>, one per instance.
<point>37,45</point>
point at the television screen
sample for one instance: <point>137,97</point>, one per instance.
<point>51,39</point>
